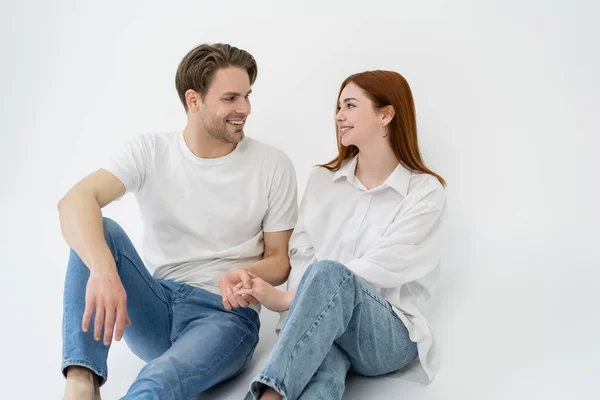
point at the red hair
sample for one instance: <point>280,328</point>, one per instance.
<point>386,88</point>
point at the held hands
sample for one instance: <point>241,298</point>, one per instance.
<point>274,299</point>
<point>231,282</point>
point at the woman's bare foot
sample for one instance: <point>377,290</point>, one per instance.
<point>81,384</point>
<point>270,394</point>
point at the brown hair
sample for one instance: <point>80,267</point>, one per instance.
<point>197,69</point>
<point>386,88</point>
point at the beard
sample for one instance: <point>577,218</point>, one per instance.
<point>221,130</point>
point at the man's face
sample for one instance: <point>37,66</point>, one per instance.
<point>227,105</point>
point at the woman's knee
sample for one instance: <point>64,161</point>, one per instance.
<point>327,267</point>
<point>322,274</point>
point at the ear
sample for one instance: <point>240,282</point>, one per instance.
<point>387,114</point>
<point>193,100</point>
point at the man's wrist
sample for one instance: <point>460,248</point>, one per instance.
<point>103,267</point>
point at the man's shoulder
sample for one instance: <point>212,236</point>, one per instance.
<point>154,140</point>
<point>258,150</point>
<point>162,138</point>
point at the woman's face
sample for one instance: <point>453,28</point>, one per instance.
<point>358,122</point>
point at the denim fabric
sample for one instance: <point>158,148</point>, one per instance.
<point>189,341</point>
<point>337,321</point>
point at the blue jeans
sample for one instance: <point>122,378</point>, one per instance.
<point>337,321</point>
<point>189,341</point>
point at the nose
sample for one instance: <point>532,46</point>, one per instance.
<point>243,106</point>
<point>339,116</point>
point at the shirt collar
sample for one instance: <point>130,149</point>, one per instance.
<point>347,170</point>
<point>398,179</point>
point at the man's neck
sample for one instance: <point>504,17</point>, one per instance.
<point>202,145</point>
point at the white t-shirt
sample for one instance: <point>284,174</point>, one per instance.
<point>389,236</point>
<point>202,217</point>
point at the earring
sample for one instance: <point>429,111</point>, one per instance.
<point>381,131</point>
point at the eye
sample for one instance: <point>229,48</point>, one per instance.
<point>350,105</point>
<point>229,98</point>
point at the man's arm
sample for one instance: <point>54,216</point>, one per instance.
<point>275,265</point>
<point>273,268</point>
<point>81,217</point>
<point>82,228</point>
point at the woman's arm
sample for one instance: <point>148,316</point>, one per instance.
<point>274,299</point>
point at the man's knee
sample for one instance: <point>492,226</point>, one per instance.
<point>111,227</point>
<point>114,235</point>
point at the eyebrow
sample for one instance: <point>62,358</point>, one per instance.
<point>236,93</point>
<point>349,98</point>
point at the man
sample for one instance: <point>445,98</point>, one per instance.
<point>215,207</point>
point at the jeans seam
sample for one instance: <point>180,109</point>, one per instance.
<point>391,311</point>
<point>325,309</point>
<point>247,360</point>
<point>159,295</point>
<point>374,298</point>
<point>181,383</point>
<point>120,253</point>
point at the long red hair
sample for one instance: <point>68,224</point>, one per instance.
<point>388,88</point>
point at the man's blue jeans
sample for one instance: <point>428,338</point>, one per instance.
<point>337,321</point>
<point>184,333</point>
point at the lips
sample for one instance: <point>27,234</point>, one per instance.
<point>236,123</point>
<point>344,129</point>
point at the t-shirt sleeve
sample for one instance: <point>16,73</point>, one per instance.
<point>131,162</point>
<point>282,213</point>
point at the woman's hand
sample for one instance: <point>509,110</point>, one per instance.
<point>274,299</point>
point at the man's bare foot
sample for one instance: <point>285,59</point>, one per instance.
<point>97,388</point>
<point>270,394</point>
<point>81,384</point>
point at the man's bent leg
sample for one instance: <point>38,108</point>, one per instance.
<point>213,345</point>
<point>148,304</point>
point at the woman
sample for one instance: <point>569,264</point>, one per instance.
<point>364,254</point>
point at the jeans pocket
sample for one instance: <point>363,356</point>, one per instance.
<point>182,292</point>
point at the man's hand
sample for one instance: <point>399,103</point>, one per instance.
<point>229,283</point>
<point>106,296</point>
<point>274,299</point>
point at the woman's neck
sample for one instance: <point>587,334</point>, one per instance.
<point>373,168</point>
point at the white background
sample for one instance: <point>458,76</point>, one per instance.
<point>506,95</point>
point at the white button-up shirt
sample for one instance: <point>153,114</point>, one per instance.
<point>389,236</point>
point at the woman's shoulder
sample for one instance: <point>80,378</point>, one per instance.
<point>423,186</point>
<point>320,177</point>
